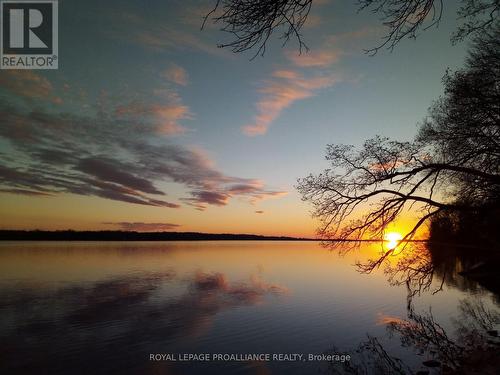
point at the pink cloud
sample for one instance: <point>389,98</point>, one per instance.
<point>165,117</point>
<point>285,88</point>
<point>176,74</point>
<point>288,86</point>
<point>143,227</point>
<point>169,116</point>
<point>28,84</point>
<point>318,58</point>
<point>253,190</point>
<point>351,36</point>
<point>333,48</point>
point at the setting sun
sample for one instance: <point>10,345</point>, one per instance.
<point>392,239</point>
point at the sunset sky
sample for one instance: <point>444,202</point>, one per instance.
<point>147,125</point>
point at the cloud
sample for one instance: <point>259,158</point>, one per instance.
<point>176,74</point>
<point>285,88</point>
<point>332,49</point>
<point>251,190</point>
<point>315,58</point>
<point>143,227</point>
<point>110,156</point>
<point>312,21</point>
<point>177,30</point>
<point>348,38</point>
<point>110,170</point>
<point>49,182</point>
<point>203,197</point>
<point>27,84</point>
<point>160,37</point>
<point>163,117</point>
<point>119,193</point>
<point>168,117</point>
<point>164,38</point>
<point>26,192</point>
<point>254,190</point>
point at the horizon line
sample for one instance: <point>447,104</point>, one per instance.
<point>124,235</point>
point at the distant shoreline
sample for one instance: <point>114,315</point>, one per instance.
<point>71,235</point>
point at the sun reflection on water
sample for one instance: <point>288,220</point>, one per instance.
<point>392,239</point>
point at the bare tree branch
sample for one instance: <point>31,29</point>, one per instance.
<point>252,22</point>
<point>453,166</point>
<point>403,19</point>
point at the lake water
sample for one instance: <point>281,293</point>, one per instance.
<point>94,307</point>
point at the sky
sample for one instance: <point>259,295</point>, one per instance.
<point>147,125</point>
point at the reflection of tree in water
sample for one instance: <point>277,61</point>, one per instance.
<point>465,267</point>
<point>431,265</point>
<point>412,267</point>
<point>473,349</point>
<point>428,266</point>
<point>372,358</point>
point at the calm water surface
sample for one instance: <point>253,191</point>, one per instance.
<point>92,308</point>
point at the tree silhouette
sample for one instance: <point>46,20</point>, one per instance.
<point>407,18</point>
<point>452,166</point>
<point>252,22</point>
